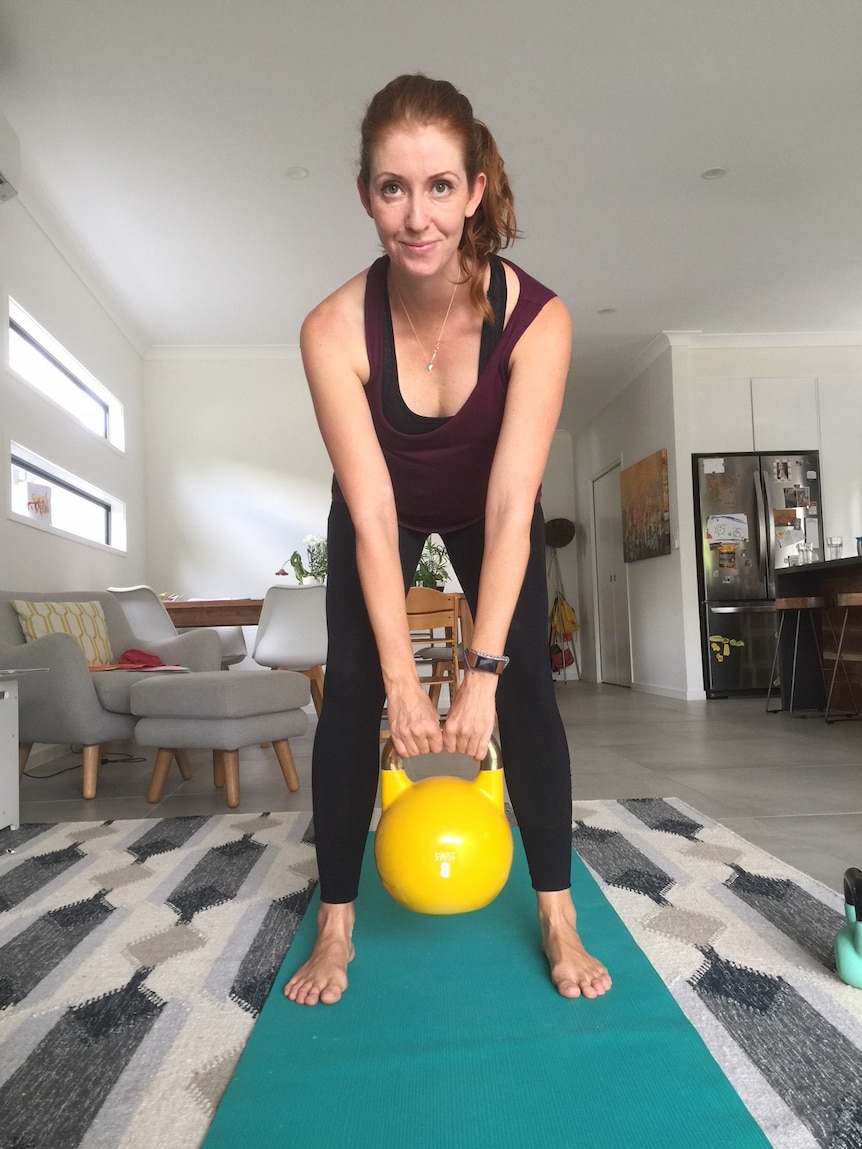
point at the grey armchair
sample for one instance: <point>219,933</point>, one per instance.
<point>72,705</point>
<point>147,616</point>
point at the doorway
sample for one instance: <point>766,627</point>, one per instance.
<point>614,645</point>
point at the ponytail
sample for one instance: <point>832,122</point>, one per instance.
<point>493,224</point>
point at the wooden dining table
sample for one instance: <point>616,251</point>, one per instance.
<point>246,612</point>
<point>214,611</point>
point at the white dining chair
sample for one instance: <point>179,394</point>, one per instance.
<point>291,634</point>
<point>233,645</point>
<point>145,612</point>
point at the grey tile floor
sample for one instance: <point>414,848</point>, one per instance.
<point>793,786</point>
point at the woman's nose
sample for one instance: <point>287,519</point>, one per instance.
<point>416,215</point>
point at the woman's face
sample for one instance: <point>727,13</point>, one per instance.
<point>419,197</point>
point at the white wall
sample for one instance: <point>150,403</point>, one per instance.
<point>35,274</point>
<point>237,474</point>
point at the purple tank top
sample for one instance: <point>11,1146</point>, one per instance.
<point>440,477</point>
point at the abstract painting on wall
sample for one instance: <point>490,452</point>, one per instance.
<point>645,508</point>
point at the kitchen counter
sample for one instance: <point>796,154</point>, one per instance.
<point>832,571</point>
<point>823,579</point>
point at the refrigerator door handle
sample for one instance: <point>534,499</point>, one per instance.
<point>766,531</point>
<point>752,608</point>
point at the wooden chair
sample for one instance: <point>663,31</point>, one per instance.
<point>434,620</point>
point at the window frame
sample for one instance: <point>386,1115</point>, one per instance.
<point>114,509</point>
<point>21,324</point>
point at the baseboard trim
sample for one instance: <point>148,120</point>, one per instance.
<point>670,692</point>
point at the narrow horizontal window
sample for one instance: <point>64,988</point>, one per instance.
<point>47,496</point>
<point>45,364</point>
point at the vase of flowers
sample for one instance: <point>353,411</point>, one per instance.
<point>311,571</point>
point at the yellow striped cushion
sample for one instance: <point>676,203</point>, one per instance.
<point>84,621</point>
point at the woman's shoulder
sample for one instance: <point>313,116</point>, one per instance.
<point>526,285</point>
<point>342,311</point>
<point>526,299</point>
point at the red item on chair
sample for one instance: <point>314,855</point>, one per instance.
<point>139,660</point>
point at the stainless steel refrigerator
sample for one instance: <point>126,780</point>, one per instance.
<point>752,512</point>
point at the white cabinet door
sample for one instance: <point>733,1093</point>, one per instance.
<point>784,415</point>
<point>720,416</point>
<point>841,458</point>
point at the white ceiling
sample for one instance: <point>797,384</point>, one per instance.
<point>156,138</point>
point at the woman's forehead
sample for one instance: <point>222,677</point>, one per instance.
<point>415,146</point>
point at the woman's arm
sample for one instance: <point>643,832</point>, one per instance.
<point>537,381</point>
<point>333,352</point>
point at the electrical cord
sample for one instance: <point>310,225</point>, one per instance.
<point>107,760</point>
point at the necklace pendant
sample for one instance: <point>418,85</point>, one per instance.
<point>430,367</point>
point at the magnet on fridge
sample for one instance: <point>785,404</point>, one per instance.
<point>781,470</point>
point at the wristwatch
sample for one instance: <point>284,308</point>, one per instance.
<point>489,663</point>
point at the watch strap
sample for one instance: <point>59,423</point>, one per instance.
<point>488,663</point>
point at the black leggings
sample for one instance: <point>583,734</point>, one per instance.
<point>346,759</point>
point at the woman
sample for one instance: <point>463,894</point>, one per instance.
<point>437,377</point>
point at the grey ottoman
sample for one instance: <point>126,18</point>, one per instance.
<point>221,711</point>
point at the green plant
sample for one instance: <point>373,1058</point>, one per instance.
<point>433,569</point>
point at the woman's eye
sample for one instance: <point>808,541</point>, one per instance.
<point>441,187</point>
<point>390,189</point>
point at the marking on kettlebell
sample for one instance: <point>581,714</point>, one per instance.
<point>444,870</point>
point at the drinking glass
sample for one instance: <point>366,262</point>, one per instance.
<point>834,546</point>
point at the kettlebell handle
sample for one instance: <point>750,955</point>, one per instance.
<point>390,759</point>
<point>853,890</point>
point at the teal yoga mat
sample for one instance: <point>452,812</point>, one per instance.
<point>451,1035</point>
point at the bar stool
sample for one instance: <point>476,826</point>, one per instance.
<point>849,601</point>
<point>803,605</point>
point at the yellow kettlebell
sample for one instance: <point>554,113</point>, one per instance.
<point>443,845</point>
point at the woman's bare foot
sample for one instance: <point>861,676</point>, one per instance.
<point>573,971</point>
<point>323,978</point>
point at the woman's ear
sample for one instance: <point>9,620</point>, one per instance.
<point>479,185</point>
<point>364,197</point>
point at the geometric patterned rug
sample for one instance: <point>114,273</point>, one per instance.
<point>745,944</point>
<point>136,955</point>
<point>134,959</point>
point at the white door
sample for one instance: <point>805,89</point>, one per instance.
<point>614,647</point>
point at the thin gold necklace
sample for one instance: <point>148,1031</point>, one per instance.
<point>430,364</point>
